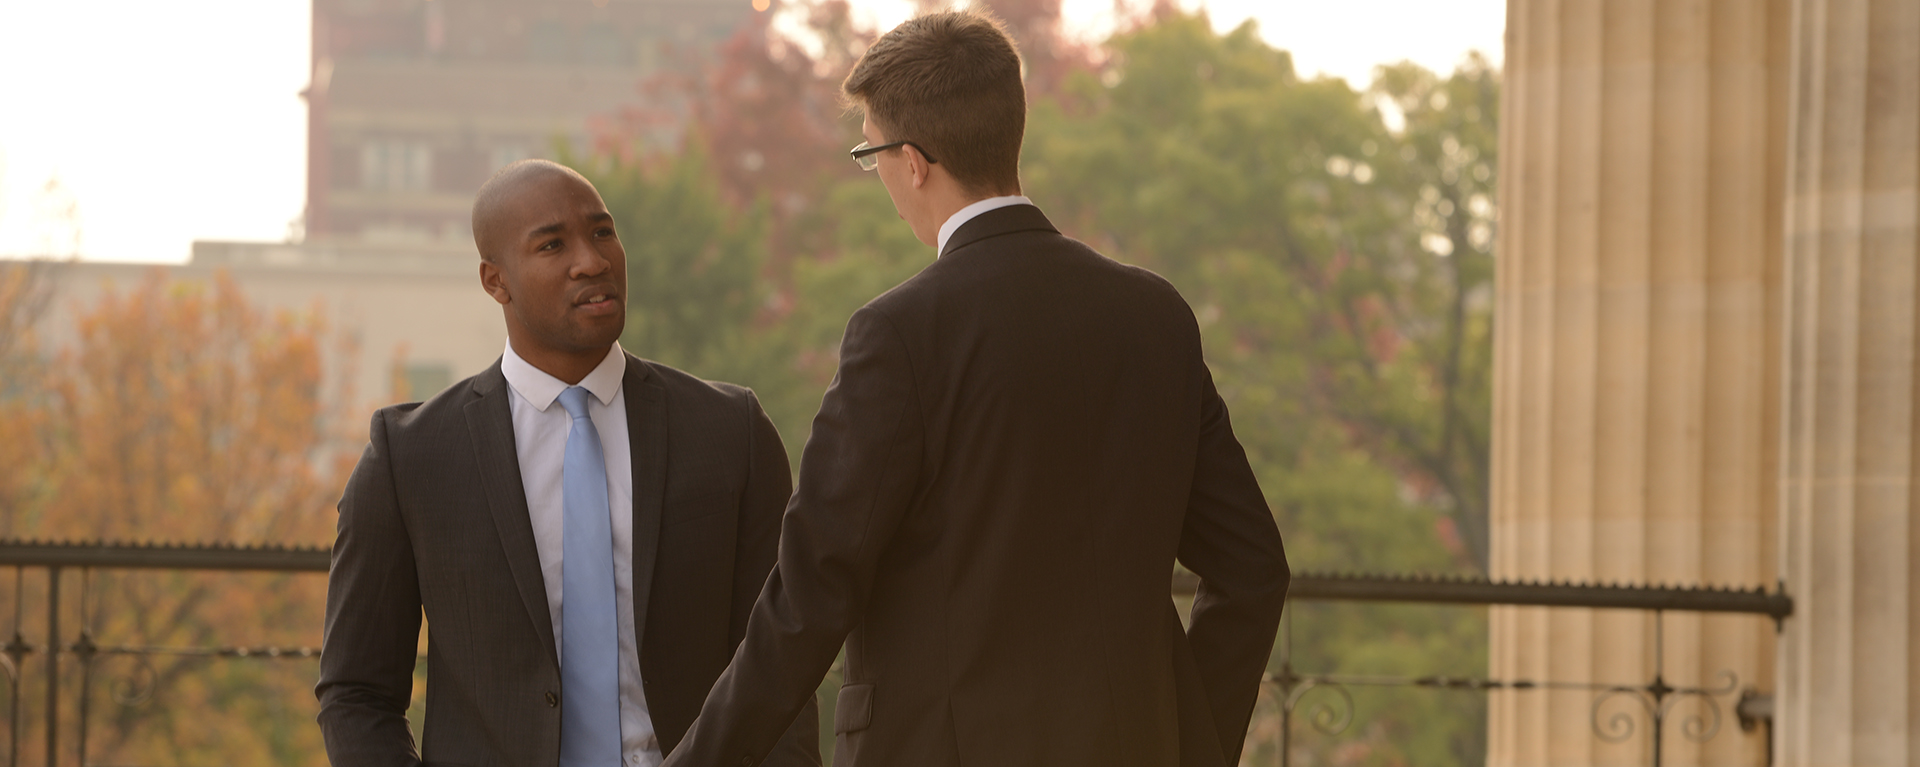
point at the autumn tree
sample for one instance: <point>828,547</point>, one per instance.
<point>25,291</point>
<point>183,413</point>
<point>770,111</point>
<point>189,414</point>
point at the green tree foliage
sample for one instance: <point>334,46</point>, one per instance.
<point>1447,155</point>
<point>1335,245</point>
<point>694,263</point>
<point>856,248</point>
<point>1340,268</point>
<point>1310,239</point>
<point>1341,271</point>
<point>703,297</point>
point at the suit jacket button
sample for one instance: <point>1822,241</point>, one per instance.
<point>746,761</point>
<point>553,701</point>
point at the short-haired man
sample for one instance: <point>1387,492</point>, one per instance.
<point>584,530</point>
<point>1020,442</point>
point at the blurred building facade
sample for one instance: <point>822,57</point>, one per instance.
<point>414,103</point>
<point>1706,368</point>
<point>400,323</point>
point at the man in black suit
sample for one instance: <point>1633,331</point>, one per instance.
<point>1020,442</point>
<point>584,530</point>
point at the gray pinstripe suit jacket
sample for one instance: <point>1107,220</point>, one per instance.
<point>434,520</point>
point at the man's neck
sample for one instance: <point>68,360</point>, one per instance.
<point>940,198</point>
<point>947,205</point>
<point>568,366</point>
<point>938,212</point>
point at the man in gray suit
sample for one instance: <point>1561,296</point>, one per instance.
<point>584,530</point>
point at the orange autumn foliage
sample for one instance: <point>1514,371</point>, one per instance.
<point>190,416</point>
<point>183,413</point>
<point>23,419</point>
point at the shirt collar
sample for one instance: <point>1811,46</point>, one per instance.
<point>540,389</point>
<point>968,213</point>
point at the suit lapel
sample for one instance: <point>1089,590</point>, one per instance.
<point>490,424</point>
<point>647,433</point>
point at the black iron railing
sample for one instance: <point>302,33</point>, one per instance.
<point>1656,697</point>
<point>87,556</point>
<point>1480,591</point>
<point>1287,688</point>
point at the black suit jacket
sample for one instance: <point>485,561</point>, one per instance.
<point>1020,442</point>
<point>434,518</point>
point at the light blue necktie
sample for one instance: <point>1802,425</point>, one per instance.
<point>590,638</point>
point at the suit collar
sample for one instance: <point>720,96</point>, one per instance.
<point>996,222</point>
<point>973,211</point>
<point>539,388</point>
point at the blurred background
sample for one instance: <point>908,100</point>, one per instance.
<point>305,179</point>
<point>230,230</point>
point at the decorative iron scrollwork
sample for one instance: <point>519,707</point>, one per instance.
<point>136,687</point>
<point>1658,700</point>
<point>1701,728</point>
<point>1619,728</point>
<point>1324,715</point>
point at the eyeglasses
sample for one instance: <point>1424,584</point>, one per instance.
<point>868,156</point>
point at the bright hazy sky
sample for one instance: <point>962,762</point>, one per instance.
<point>167,122</point>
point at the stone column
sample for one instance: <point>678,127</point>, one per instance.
<point>1850,656</point>
<point>1636,356</point>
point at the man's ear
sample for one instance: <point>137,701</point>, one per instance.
<point>917,164</point>
<point>494,282</point>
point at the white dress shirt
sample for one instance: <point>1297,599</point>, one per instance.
<point>540,429</point>
<point>966,214</point>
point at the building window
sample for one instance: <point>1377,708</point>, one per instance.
<point>391,165</point>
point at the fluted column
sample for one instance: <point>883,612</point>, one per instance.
<point>1636,355</point>
<point>1850,656</point>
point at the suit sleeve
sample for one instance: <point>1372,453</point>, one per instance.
<point>372,623</point>
<point>1230,541</point>
<point>857,477</point>
<point>769,487</point>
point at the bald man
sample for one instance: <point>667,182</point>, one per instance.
<point>584,530</point>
